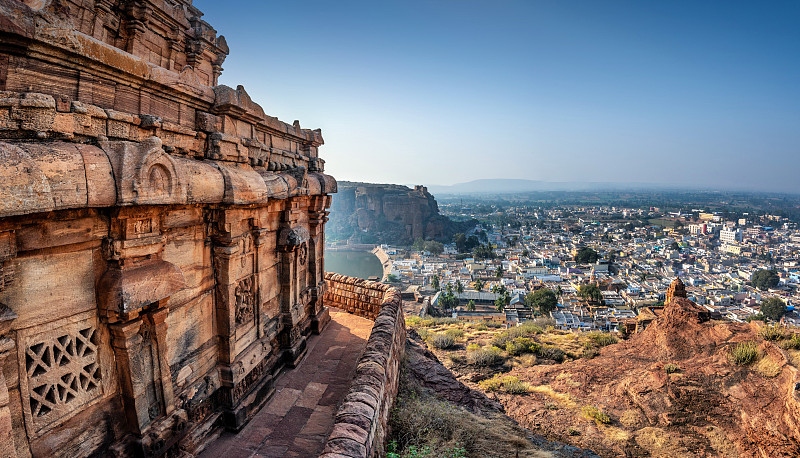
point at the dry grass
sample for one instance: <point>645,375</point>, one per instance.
<point>659,443</point>
<point>506,383</point>
<point>772,332</point>
<point>630,418</point>
<point>420,421</point>
<point>768,367</point>
<point>563,399</point>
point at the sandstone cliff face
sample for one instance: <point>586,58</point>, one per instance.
<point>709,407</point>
<point>373,213</point>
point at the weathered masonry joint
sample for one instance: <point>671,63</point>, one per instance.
<point>161,237</point>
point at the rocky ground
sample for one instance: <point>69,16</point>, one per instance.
<point>672,390</point>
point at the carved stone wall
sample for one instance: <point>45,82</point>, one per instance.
<point>161,237</point>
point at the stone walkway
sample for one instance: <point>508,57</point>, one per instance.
<point>298,418</point>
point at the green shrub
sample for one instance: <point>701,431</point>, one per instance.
<point>522,345</point>
<point>601,339</point>
<point>771,332</point>
<point>793,343</point>
<point>441,340</point>
<point>473,347</point>
<point>670,368</point>
<point>551,352</point>
<point>525,330</point>
<point>594,413</point>
<point>744,353</point>
<point>483,357</point>
<point>423,333</point>
<point>481,327</point>
<point>590,353</point>
<point>457,333</point>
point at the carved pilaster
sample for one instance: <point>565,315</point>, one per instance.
<point>7,349</point>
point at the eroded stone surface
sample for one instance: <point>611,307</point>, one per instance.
<point>146,296</point>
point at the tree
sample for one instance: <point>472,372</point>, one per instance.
<point>674,246</point>
<point>765,279</point>
<point>392,278</point>
<point>419,244</point>
<point>459,287</point>
<point>471,305</point>
<point>773,308</point>
<point>434,247</point>
<point>591,293</point>
<point>461,242</point>
<point>525,253</point>
<point>478,285</point>
<point>502,300</point>
<point>543,301</point>
<point>559,292</point>
<point>586,255</point>
<point>435,282</point>
<point>483,252</point>
<point>448,300</point>
<point>499,272</point>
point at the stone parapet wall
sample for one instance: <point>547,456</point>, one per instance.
<point>361,421</point>
<point>363,298</point>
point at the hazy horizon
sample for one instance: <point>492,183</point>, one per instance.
<point>702,94</point>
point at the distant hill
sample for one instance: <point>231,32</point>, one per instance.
<point>504,186</point>
<point>388,213</point>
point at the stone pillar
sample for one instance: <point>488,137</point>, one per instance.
<point>317,217</point>
<point>127,343</point>
<point>7,347</point>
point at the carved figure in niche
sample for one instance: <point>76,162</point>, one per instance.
<point>302,254</point>
<point>245,301</point>
<point>159,180</point>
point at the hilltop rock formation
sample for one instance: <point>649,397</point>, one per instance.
<point>387,213</point>
<point>704,405</point>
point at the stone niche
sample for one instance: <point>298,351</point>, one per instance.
<point>161,237</point>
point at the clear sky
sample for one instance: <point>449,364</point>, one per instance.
<point>703,93</point>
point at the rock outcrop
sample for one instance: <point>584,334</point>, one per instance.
<point>387,213</point>
<point>671,390</point>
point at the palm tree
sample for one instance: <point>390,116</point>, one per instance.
<point>471,306</point>
<point>459,287</point>
<point>478,285</point>
<point>435,282</point>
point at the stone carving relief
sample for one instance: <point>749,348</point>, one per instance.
<point>302,254</point>
<point>245,301</point>
<point>144,173</point>
<point>62,372</point>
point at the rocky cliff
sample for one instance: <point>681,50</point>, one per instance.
<point>387,213</point>
<point>671,390</point>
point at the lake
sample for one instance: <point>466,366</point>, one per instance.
<point>361,264</point>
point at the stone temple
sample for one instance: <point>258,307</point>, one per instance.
<point>161,237</point>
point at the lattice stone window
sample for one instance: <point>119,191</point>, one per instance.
<point>62,371</point>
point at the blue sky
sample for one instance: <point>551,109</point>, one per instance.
<point>445,91</point>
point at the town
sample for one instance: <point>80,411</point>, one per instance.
<point>600,268</point>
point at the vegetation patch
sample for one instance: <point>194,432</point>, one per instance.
<point>441,340</point>
<point>594,413</point>
<point>563,399</point>
<point>601,339</point>
<point>670,368</point>
<point>772,332</point>
<point>551,352</point>
<point>484,356</point>
<point>792,344</point>
<point>506,383</point>
<point>768,367</point>
<point>743,353</point>
<point>422,425</point>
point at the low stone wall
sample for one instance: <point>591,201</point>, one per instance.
<point>361,421</point>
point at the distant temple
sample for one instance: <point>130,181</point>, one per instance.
<point>161,237</point>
